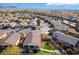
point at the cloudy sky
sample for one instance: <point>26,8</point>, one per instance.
<point>43,5</point>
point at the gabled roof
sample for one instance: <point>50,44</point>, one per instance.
<point>13,39</point>
<point>33,38</point>
<point>59,26</point>
<point>66,38</point>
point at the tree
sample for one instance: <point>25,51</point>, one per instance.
<point>45,37</point>
<point>11,50</point>
<point>35,51</point>
<point>17,21</point>
<point>38,22</point>
<point>70,51</point>
<point>77,27</point>
<point>13,12</point>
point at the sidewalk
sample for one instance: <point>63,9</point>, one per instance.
<point>47,50</point>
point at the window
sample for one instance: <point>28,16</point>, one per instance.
<point>77,44</point>
<point>36,46</point>
<point>31,46</point>
<point>26,46</point>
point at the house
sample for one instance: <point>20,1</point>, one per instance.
<point>77,29</point>
<point>66,38</point>
<point>7,30</point>
<point>4,25</point>
<point>72,24</point>
<point>3,35</point>
<point>12,24</point>
<point>14,39</point>
<point>32,41</point>
<point>59,26</point>
<point>24,32</point>
<point>65,22</point>
<point>18,25</point>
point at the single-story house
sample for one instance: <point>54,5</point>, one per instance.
<point>60,26</point>
<point>18,25</point>
<point>3,35</point>
<point>24,32</point>
<point>66,38</point>
<point>7,30</point>
<point>70,23</point>
<point>65,22</point>
<point>12,24</point>
<point>14,39</point>
<point>5,25</point>
<point>33,40</point>
<point>77,29</point>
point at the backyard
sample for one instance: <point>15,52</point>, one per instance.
<point>46,48</point>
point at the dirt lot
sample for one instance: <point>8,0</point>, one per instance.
<point>72,30</point>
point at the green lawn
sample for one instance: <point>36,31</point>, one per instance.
<point>48,46</point>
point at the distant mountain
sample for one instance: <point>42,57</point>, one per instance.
<point>7,7</point>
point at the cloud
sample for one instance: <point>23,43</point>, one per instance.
<point>64,4</point>
<point>48,4</point>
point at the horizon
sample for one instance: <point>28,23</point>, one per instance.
<point>42,6</point>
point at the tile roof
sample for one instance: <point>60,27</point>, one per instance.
<point>33,38</point>
<point>13,39</point>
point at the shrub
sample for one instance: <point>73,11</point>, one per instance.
<point>70,51</point>
<point>45,37</point>
<point>11,50</point>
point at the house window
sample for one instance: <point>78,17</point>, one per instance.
<point>31,46</point>
<point>26,46</point>
<point>77,45</point>
<point>36,46</point>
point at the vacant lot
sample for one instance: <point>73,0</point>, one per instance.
<point>72,30</point>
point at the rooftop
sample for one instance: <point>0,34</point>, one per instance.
<point>14,39</point>
<point>33,38</point>
<point>66,38</point>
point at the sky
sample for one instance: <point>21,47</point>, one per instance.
<point>43,5</point>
